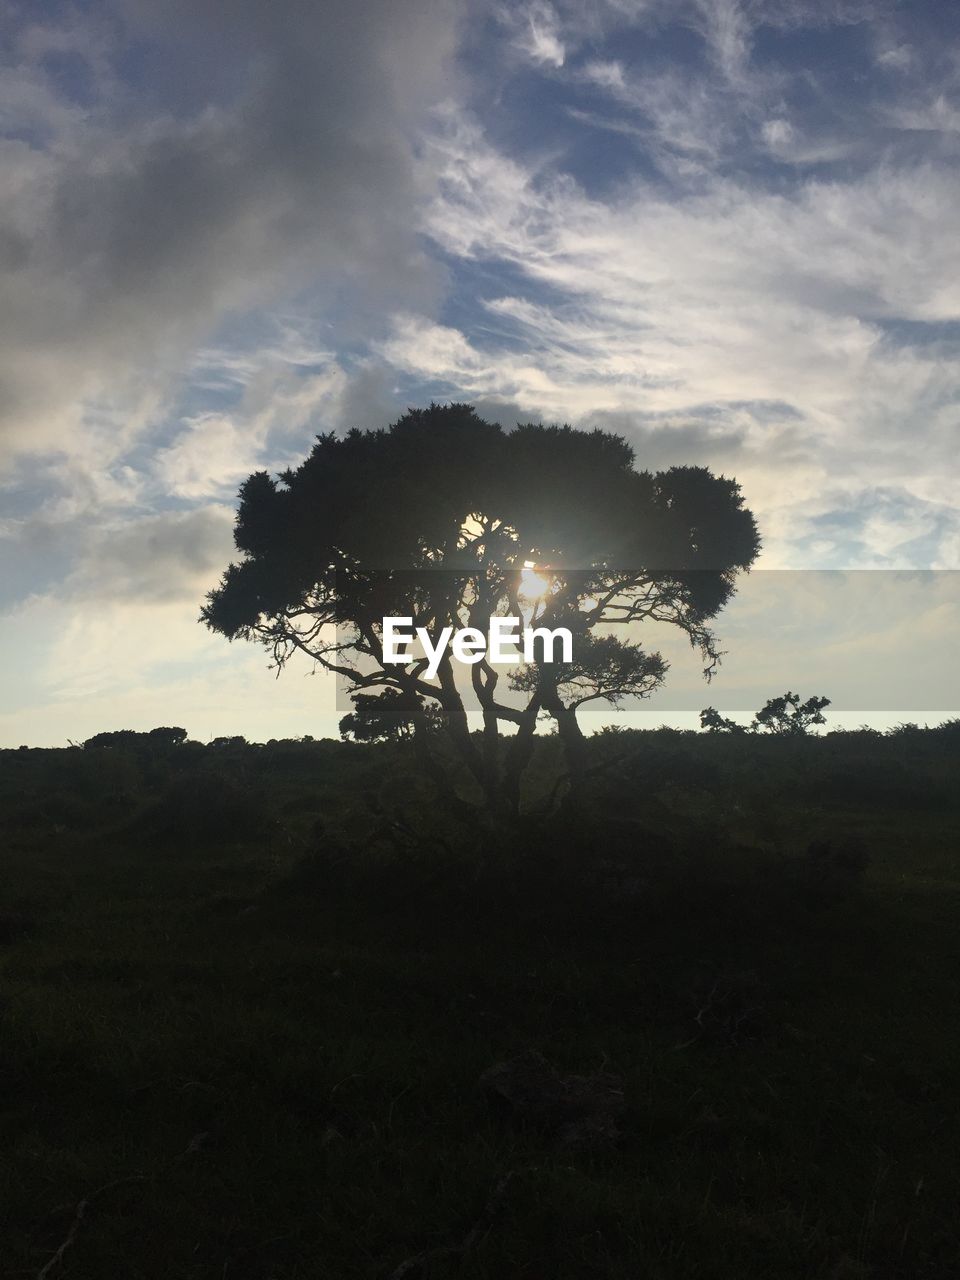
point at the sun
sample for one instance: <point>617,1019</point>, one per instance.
<point>532,584</point>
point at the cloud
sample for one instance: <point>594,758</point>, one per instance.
<point>790,146</point>
<point>136,217</point>
<point>217,449</point>
<point>885,527</point>
<point>899,57</point>
<point>684,305</point>
<point>534,32</point>
<point>673,113</point>
<point>805,83</point>
<point>727,30</point>
<point>102,665</point>
<point>155,560</point>
<point>271,401</point>
<point>934,115</point>
<point>724,229</point>
<point>884,641</point>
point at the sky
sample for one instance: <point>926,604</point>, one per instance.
<point>725,230</point>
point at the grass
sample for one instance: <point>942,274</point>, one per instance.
<point>268,1059</point>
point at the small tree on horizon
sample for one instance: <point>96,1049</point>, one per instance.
<point>785,716</point>
<point>788,716</point>
<point>439,518</point>
<point>713,722</point>
<point>387,716</point>
<point>163,736</point>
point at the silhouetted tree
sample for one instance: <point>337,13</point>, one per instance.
<point>167,736</point>
<point>788,715</point>
<point>784,715</point>
<point>435,518</point>
<point>385,716</point>
<point>164,736</point>
<point>714,722</point>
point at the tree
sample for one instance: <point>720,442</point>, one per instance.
<point>787,716</point>
<point>162,737</point>
<point>714,722</point>
<point>448,519</point>
<point>386,717</point>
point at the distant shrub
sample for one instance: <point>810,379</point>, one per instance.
<point>713,722</point>
<point>863,732</point>
<point>164,736</point>
<point>948,733</point>
<point>906,729</point>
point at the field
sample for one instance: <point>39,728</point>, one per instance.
<point>248,993</point>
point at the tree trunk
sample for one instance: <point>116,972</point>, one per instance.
<point>436,772</point>
<point>574,745</point>
<point>571,735</point>
<point>484,686</point>
<point>518,756</point>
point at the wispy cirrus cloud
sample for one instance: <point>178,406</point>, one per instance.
<point>829,299</point>
<point>534,29</point>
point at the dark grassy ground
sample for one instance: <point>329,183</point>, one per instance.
<point>246,996</point>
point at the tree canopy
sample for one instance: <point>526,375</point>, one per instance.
<point>443,517</point>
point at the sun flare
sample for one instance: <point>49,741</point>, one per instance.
<point>532,584</point>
